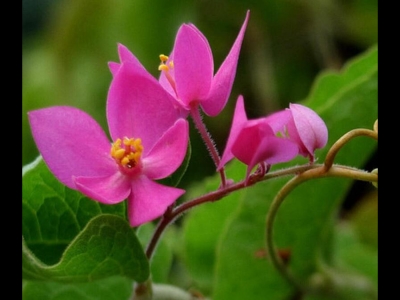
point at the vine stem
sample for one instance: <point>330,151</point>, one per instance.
<point>330,156</point>
<point>196,117</point>
<point>334,171</point>
<point>328,169</point>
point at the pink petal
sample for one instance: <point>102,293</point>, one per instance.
<point>239,119</point>
<point>114,67</point>
<point>107,189</point>
<point>310,127</point>
<point>72,143</point>
<point>221,85</point>
<point>258,143</point>
<point>295,137</point>
<point>138,107</point>
<point>124,56</point>
<point>168,153</point>
<point>273,150</point>
<point>247,143</point>
<point>278,120</point>
<point>149,200</point>
<point>193,64</point>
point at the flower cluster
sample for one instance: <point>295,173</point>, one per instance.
<point>149,131</point>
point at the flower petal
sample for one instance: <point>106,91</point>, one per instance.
<point>124,56</point>
<point>107,189</point>
<point>239,119</point>
<point>273,150</point>
<point>149,200</point>
<point>311,129</point>
<point>72,143</point>
<point>222,82</point>
<point>278,120</point>
<point>138,107</point>
<point>114,67</point>
<point>168,153</point>
<point>248,141</point>
<point>257,143</point>
<point>193,64</point>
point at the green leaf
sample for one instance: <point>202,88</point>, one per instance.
<point>204,224</point>
<point>354,274</point>
<point>111,288</point>
<point>353,254</point>
<point>305,221</point>
<point>68,237</point>
<point>107,246</point>
<point>52,214</point>
<point>242,270</point>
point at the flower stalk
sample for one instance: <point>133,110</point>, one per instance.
<point>196,117</point>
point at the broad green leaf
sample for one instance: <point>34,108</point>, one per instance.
<point>242,270</point>
<point>203,225</point>
<point>61,232</point>
<point>354,255</point>
<point>52,214</point>
<point>112,288</point>
<point>364,218</point>
<point>355,274</point>
<point>107,246</point>
<point>305,221</point>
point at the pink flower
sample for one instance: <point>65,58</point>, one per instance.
<point>149,143</point>
<point>307,129</point>
<point>188,72</point>
<point>276,138</point>
<point>256,141</point>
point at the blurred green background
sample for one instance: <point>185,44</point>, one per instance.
<point>68,43</point>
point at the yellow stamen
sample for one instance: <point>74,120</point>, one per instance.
<point>163,57</point>
<point>163,67</point>
<point>120,153</point>
<point>128,152</point>
<point>124,161</point>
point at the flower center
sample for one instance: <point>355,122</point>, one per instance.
<point>127,152</point>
